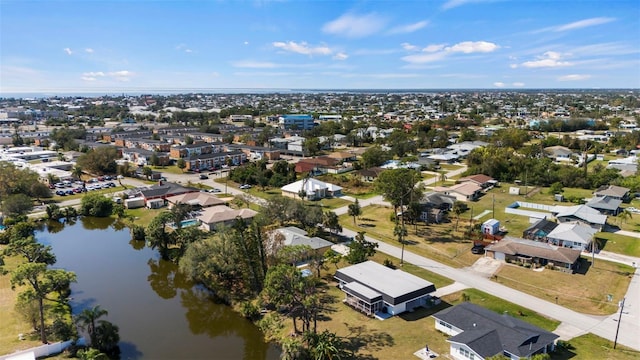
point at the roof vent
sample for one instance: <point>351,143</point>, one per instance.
<point>474,324</point>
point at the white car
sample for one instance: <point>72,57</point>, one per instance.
<point>245,186</point>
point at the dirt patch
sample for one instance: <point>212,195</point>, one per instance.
<point>486,266</point>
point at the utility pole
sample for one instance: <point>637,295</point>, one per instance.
<point>615,341</point>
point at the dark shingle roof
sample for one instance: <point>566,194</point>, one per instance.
<point>488,333</point>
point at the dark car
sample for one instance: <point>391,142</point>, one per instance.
<point>60,193</point>
<point>203,177</point>
<point>477,249</point>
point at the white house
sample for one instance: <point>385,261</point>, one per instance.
<point>314,189</point>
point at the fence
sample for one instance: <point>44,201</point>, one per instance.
<point>41,351</point>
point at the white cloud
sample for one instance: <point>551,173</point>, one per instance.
<point>549,59</point>
<point>88,50</point>
<point>435,52</point>
<point>518,84</point>
<point>254,64</point>
<point>450,4</point>
<point>513,66</point>
<point>469,47</point>
<point>355,26</point>
<point>584,23</point>
<point>574,77</point>
<point>576,25</point>
<point>434,47</point>
<point>409,28</point>
<point>498,84</point>
<point>340,56</point>
<point>409,47</point>
<point>246,43</point>
<point>122,75</point>
<point>94,74</point>
<point>184,47</point>
<point>303,48</point>
<point>68,51</point>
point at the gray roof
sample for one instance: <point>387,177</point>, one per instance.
<point>604,203</point>
<point>612,190</point>
<point>166,189</point>
<point>573,232</point>
<point>583,212</point>
<point>540,228</point>
<point>396,286</point>
<point>295,236</point>
<point>488,333</point>
<point>514,246</point>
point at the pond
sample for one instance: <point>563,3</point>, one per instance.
<point>161,315</point>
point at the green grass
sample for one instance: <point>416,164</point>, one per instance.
<point>169,169</point>
<point>584,291</point>
<point>142,216</point>
<point>619,244</point>
<point>590,346</point>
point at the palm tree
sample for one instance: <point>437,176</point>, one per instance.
<point>623,216</point>
<point>77,172</point>
<point>355,210</point>
<point>87,320</point>
<point>458,208</point>
<point>400,231</point>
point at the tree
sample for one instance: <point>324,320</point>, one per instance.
<point>401,232</point>
<point>107,338</point>
<point>181,164</point>
<point>40,190</point>
<point>40,282</point>
<point>156,233</point>
<point>623,216</point>
<point>398,186</point>
<point>17,204</point>
<point>556,188</point>
<point>101,160</point>
<point>311,146</point>
<point>33,251</point>
<point>154,159</point>
<point>76,172</point>
<point>146,171</point>
<point>374,156</point>
<point>331,222</point>
<point>91,354</point>
<point>360,249</point>
<point>87,319</point>
<point>95,204</point>
<point>354,210</point>
<point>458,208</point>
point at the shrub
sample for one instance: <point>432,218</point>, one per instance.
<point>137,232</point>
<point>388,263</point>
<point>249,310</point>
<point>96,205</point>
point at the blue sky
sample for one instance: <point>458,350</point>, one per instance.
<point>91,45</point>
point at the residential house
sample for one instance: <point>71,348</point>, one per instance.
<point>222,215</point>
<point>572,235</point>
<point>605,205</point>
<point>466,191</point>
<point>613,191</point>
<point>369,175</point>
<point>163,190</point>
<point>558,153</point>
<point>197,199</point>
<point>314,189</point>
<point>534,253</point>
<point>374,288</point>
<point>316,165</point>
<point>481,180</point>
<point>292,236</point>
<point>479,333</point>
<point>192,150</point>
<point>582,214</point>
<point>434,206</point>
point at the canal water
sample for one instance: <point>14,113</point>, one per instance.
<point>161,315</point>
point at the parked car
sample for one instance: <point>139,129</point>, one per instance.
<point>214,190</point>
<point>477,249</point>
<point>203,177</point>
<point>69,192</point>
<point>60,193</point>
<point>245,186</point>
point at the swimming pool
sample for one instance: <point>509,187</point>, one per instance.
<point>187,223</point>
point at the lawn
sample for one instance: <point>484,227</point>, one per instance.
<point>12,324</point>
<point>435,241</point>
<point>169,169</point>
<point>619,244</point>
<point>590,346</point>
<point>350,183</point>
<point>142,216</point>
<point>585,291</point>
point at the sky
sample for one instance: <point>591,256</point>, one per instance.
<point>146,45</point>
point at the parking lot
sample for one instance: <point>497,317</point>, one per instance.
<point>68,187</point>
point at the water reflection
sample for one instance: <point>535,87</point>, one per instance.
<point>161,315</point>
<point>165,278</point>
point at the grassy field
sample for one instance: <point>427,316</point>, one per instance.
<point>619,244</point>
<point>435,241</point>
<point>590,346</point>
<point>585,291</point>
<point>10,323</point>
<point>168,169</point>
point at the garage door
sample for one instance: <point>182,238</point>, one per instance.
<point>499,256</point>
